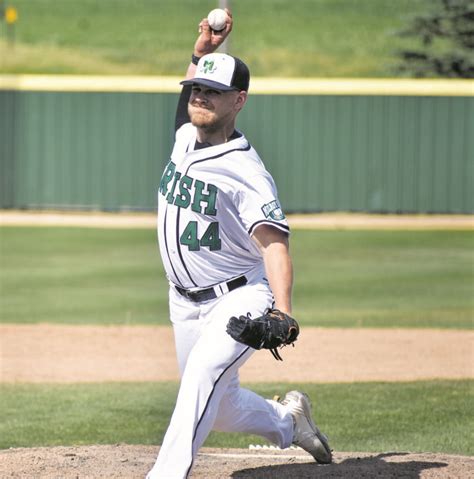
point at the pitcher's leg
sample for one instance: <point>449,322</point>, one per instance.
<point>187,326</point>
<point>210,367</point>
<point>242,410</point>
<point>212,363</point>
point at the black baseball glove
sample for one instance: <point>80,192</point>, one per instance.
<point>272,330</point>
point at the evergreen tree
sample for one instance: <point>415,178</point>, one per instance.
<point>447,42</point>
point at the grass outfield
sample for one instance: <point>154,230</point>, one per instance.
<point>434,416</point>
<point>343,278</point>
<point>326,38</point>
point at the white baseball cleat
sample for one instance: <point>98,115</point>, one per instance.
<point>306,435</point>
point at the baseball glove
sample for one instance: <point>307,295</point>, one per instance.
<point>272,330</point>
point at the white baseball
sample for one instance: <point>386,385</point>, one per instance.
<point>217,19</point>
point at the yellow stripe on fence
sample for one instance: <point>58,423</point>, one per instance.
<point>261,86</point>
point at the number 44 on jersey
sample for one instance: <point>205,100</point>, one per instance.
<point>187,192</point>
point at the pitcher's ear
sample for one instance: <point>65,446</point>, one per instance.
<point>241,99</point>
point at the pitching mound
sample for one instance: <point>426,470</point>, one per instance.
<point>123,461</point>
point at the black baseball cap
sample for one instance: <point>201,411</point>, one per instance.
<point>222,72</point>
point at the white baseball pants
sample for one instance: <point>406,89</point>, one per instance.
<point>210,396</point>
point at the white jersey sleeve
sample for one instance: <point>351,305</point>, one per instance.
<point>258,204</point>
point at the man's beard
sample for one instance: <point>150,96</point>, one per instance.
<point>202,118</point>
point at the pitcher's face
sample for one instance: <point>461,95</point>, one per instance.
<point>212,109</point>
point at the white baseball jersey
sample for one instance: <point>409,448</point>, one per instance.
<point>210,201</point>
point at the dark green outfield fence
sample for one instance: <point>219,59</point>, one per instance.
<point>328,152</point>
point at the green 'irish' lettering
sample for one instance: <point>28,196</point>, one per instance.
<point>170,195</point>
<point>209,199</point>
<point>185,191</point>
<point>166,178</point>
<point>184,198</point>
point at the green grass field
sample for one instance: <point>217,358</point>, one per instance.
<point>313,38</point>
<point>343,278</point>
<point>430,416</point>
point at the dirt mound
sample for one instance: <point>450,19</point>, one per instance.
<point>123,461</point>
<point>72,354</point>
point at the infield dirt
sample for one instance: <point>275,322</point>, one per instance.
<point>130,462</point>
<point>74,354</point>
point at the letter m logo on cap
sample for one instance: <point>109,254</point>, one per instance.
<point>208,67</point>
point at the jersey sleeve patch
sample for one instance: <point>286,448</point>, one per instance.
<point>258,201</point>
<point>273,211</point>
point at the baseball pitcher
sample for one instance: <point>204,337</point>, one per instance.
<point>223,240</point>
